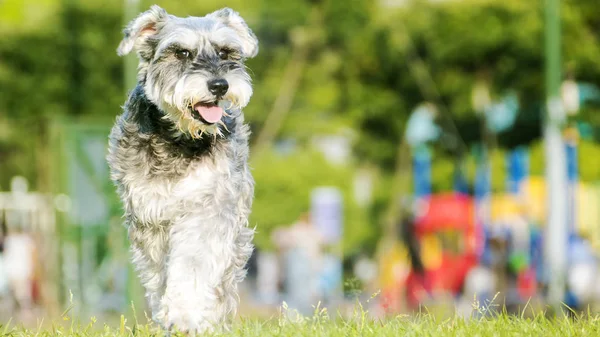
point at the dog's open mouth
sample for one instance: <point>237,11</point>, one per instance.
<point>208,113</point>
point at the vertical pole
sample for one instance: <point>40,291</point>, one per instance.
<point>572,174</point>
<point>72,25</point>
<point>131,9</point>
<point>56,187</point>
<point>517,171</point>
<point>482,197</point>
<point>422,172</point>
<point>483,173</point>
<point>556,175</point>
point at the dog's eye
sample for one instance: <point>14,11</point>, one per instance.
<point>223,54</point>
<point>183,54</point>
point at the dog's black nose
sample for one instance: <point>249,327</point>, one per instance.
<point>218,87</point>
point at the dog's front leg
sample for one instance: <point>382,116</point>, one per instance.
<point>148,249</point>
<point>198,259</point>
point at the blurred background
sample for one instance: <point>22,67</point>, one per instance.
<point>407,154</point>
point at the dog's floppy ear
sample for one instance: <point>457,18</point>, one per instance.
<point>233,20</point>
<point>140,28</point>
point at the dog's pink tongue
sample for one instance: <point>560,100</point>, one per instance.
<point>211,114</point>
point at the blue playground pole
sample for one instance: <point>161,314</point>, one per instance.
<point>518,170</point>
<point>572,177</point>
<point>483,182</point>
<point>482,191</point>
<point>576,247</point>
<point>422,171</point>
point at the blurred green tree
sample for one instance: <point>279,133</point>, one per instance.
<point>364,66</point>
<point>451,45</point>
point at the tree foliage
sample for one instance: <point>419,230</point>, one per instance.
<point>283,191</point>
<point>367,67</point>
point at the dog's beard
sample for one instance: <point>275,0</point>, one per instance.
<point>181,98</point>
<point>185,122</point>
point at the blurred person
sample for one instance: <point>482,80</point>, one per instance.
<point>267,278</point>
<point>301,244</point>
<point>582,274</point>
<point>302,234</point>
<point>479,289</point>
<point>19,260</point>
<point>365,270</point>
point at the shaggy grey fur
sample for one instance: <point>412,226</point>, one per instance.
<point>185,183</point>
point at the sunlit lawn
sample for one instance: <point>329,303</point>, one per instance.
<point>358,324</point>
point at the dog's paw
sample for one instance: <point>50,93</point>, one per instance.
<point>186,323</point>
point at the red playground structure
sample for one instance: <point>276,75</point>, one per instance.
<point>450,242</point>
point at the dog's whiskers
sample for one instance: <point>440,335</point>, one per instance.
<point>223,124</point>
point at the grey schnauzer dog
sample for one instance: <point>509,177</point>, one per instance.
<point>178,156</point>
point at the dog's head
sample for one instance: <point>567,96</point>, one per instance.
<point>193,68</point>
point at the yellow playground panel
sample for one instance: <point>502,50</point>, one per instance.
<point>532,204</point>
<point>504,206</point>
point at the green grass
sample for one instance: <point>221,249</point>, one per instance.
<point>398,326</point>
<point>321,324</point>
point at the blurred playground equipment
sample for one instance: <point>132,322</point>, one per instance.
<point>501,232</point>
<point>448,236</point>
